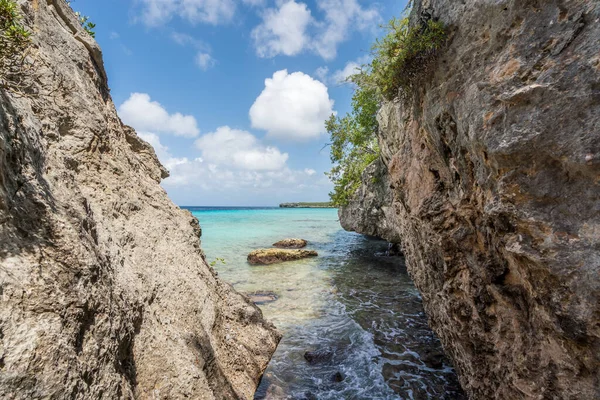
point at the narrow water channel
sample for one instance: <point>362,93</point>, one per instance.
<point>353,322</point>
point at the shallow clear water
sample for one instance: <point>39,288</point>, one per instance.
<point>353,304</point>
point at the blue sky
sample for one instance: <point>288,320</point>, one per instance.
<point>233,94</point>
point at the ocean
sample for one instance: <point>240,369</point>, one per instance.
<point>354,305</point>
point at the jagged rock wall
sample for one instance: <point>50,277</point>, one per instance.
<point>371,211</point>
<point>104,289</point>
<point>494,175</point>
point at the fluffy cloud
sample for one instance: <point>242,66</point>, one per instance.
<point>146,115</point>
<point>283,30</point>
<point>240,149</point>
<point>292,106</point>
<point>234,167</point>
<point>291,29</point>
<point>158,12</point>
<point>340,17</point>
<point>162,152</point>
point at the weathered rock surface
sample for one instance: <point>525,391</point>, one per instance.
<point>274,256</point>
<point>494,178</point>
<point>291,244</point>
<point>105,292</point>
<point>371,212</point>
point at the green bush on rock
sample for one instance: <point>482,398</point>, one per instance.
<point>404,54</point>
<point>353,143</point>
<point>400,59</point>
<point>14,40</point>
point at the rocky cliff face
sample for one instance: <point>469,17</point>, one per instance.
<point>494,179</point>
<point>105,292</point>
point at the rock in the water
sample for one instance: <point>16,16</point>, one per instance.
<point>273,256</point>
<point>489,179</point>
<point>260,298</point>
<point>291,244</point>
<point>338,377</point>
<point>319,356</point>
<point>105,291</point>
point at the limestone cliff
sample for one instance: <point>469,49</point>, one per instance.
<point>104,289</point>
<point>493,190</point>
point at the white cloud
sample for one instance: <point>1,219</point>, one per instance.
<point>146,115</point>
<point>350,69</point>
<point>322,74</point>
<point>255,3</point>
<point>204,61</point>
<point>283,30</point>
<point>234,167</point>
<point>162,152</point>
<point>114,35</point>
<point>158,12</point>
<point>291,29</point>
<point>240,149</point>
<point>292,106</point>
<point>203,58</point>
<point>340,76</point>
<point>341,16</point>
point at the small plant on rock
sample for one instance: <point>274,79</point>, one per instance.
<point>14,40</point>
<point>404,54</point>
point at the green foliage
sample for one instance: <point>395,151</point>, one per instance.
<point>353,142</point>
<point>400,59</point>
<point>86,24</point>
<point>403,55</point>
<point>217,260</point>
<point>14,39</point>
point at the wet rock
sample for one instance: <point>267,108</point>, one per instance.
<point>291,244</point>
<point>319,356</point>
<point>338,377</point>
<point>275,392</point>
<point>310,396</point>
<point>260,298</point>
<point>273,256</point>
<point>433,359</point>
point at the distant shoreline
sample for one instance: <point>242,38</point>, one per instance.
<point>307,205</point>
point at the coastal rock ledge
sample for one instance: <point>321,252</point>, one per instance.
<point>105,291</point>
<point>490,180</point>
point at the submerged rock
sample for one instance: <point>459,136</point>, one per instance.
<point>338,377</point>
<point>291,244</point>
<point>105,291</point>
<point>260,298</point>
<point>488,178</point>
<point>273,256</point>
<point>319,356</point>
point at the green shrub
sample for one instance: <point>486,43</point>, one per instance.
<point>14,39</point>
<point>400,59</point>
<point>353,143</point>
<point>86,24</point>
<point>403,55</point>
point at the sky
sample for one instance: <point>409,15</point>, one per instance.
<point>233,94</point>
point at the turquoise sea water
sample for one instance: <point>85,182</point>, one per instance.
<point>354,304</point>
